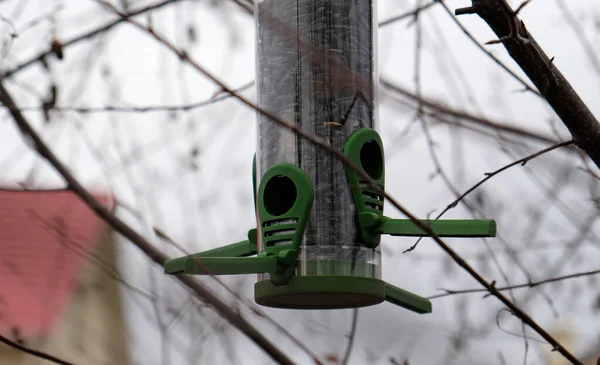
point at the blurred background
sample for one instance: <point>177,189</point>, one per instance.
<point>164,148</point>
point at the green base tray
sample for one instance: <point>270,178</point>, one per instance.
<point>321,292</point>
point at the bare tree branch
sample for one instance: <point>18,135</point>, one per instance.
<point>235,318</point>
<point>540,69</point>
<point>449,292</point>
<point>36,353</point>
<point>141,109</point>
<point>489,175</point>
<point>351,337</point>
<point>586,44</point>
<point>482,48</point>
<point>412,13</point>
<point>83,37</point>
<point>464,115</point>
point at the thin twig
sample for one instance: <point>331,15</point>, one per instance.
<point>587,46</point>
<point>449,292</point>
<point>140,109</point>
<point>412,13</point>
<point>489,175</point>
<point>100,30</point>
<point>36,353</point>
<point>351,337</point>
<point>520,7</point>
<point>464,115</point>
<point>434,157</point>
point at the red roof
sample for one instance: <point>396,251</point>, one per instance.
<point>45,238</point>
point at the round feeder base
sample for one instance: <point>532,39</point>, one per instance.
<point>321,292</point>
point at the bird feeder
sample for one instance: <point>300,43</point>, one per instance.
<point>319,224</point>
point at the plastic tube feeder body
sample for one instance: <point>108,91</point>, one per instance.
<point>316,68</point>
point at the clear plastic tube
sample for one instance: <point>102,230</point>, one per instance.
<point>316,68</point>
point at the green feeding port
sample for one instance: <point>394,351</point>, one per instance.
<point>283,203</point>
<point>280,195</point>
<point>365,148</point>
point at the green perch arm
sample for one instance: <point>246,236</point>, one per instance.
<point>443,228</point>
<point>235,250</point>
<point>407,299</point>
<point>231,265</point>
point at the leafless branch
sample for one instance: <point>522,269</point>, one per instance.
<point>464,115</point>
<point>141,109</point>
<point>100,30</point>
<point>449,292</point>
<point>540,69</point>
<point>235,318</point>
<point>36,353</point>
<point>489,175</point>
<point>485,51</point>
<point>586,44</point>
<point>412,13</point>
<point>351,337</point>
<point>520,7</point>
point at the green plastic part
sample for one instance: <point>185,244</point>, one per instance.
<point>365,148</point>
<point>285,197</point>
<point>231,265</point>
<point>175,266</point>
<point>238,249</point>
<point>321,292</point>
<point>284,201</point>
<point>407,299</point>
<point>442,228</point>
